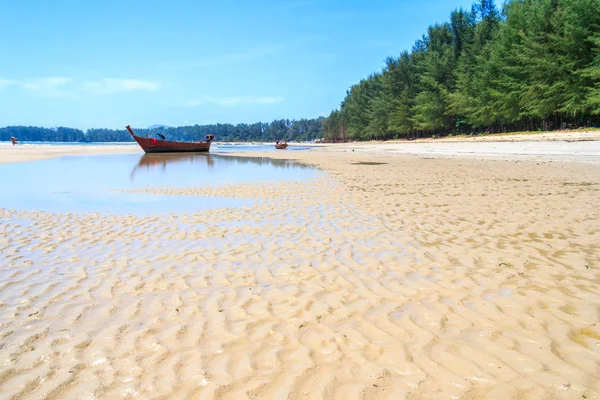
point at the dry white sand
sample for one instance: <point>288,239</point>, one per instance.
<point>26,152</point>
<point>565,146</point>
<point>395,277</point>
<point>567,135</point>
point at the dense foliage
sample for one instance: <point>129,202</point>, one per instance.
<point>533,66</point>
<point>290,130</point>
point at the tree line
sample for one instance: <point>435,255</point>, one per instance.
<point>283,129</point>
<point>534,65</point>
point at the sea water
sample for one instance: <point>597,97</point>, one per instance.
<point>95,183</point>
<point>215,147</point>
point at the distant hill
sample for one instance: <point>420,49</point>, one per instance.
<point>158,126</point>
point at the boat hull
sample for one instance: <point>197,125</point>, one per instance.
<point>281,146</point>
<point>176,150</point>
<point>152,145</point>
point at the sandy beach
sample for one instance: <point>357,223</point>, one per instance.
<point>454,271</point>
<point>27,152</point>
<point>553,146</point>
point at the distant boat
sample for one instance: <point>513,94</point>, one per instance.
<point>153,145</point>
<point>281,145</point>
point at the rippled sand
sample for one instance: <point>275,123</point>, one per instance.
<point>396,277</point>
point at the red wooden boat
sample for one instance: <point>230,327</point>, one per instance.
<point>281,145</point>
<point>153,145</point>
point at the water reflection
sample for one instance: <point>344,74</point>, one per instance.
<point>152,161</point>
<point>199,161</point>
<point>266,161</point>
<point>102,183</point>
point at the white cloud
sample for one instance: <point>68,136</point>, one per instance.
<point>60,86</point>
<point>6,82</point>
<point>234,101</point>
<point>52,86</point>
<point>46,85</point>
<point>110,86</point>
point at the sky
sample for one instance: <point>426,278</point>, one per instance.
<point>110,63</point>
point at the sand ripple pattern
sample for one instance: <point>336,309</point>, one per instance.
<point>388,283</point>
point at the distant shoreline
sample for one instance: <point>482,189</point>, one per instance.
<point>564,146</point>
<point>525,136</point>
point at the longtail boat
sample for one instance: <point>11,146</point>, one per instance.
<point>153,145</point>
<point>281,146</point>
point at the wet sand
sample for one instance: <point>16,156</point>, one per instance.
<point>397,276</point>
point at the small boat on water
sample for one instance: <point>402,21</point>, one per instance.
<point>281,145</point>
<point>153,145</point>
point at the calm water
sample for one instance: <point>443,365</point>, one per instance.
<point>92,183</point>
<point>43,143</point>
<point>214,148</point>
<point>231,148</point>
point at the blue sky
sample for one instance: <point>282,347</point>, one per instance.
<point>87,64</point>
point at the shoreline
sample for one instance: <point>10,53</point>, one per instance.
<point>563,146</point>
<point>568,135</point>
<point>37,152</point>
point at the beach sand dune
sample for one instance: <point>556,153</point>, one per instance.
<point>393,277</point>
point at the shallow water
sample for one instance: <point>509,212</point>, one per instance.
<point>95,183</point>
<point>215,147</point>
<point>241,148</point>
